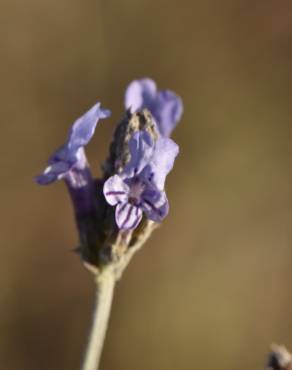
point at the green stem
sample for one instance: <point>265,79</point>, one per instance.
<point>104,294</point>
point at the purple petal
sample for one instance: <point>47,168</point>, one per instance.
<point>71,154</point>
<point>167,111</point>
<point>141,149</point>
<point>84,127</point>
<point>128,216</point>
<point>63,154</point>
<point>115,190</point>
<point>61,165</point>
<point>55,171</point>
<point>162,160</point>
<point>165,106</point>
<point>155,204</point>
<point>140,94</point>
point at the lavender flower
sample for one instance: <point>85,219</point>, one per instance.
<point>140,187</point>
<point>69,162</point>
<point>140,157</point>
<point>165,106</point>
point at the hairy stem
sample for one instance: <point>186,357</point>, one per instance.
<point>104,294</point>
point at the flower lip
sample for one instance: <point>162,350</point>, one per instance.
<point>128,216</point>
<point>115,190</point>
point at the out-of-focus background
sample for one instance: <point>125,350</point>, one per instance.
<point>212,288</point>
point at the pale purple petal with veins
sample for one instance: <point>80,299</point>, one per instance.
<point>165,106</point>
<point>115,190</point>
<point>155,204</point>
<point>128,216</point>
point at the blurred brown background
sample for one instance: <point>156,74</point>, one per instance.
<point>212,288</point>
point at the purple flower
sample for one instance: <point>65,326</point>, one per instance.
<point>69,162</point>
<point>140,187</point>
<point>165,106</point>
